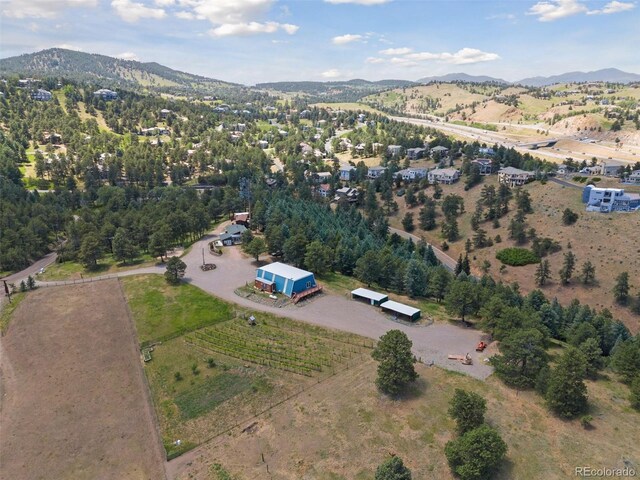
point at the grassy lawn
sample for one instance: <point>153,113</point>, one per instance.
<point>106,265</point>
<point>8,309</point>
<point>164,311</point>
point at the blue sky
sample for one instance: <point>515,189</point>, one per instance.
<point>250,41</point>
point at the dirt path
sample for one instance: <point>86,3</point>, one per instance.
<point>74,401</point>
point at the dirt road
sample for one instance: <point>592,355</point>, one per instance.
<point>74,400</point>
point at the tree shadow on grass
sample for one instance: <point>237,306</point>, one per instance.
<point>414,390</point>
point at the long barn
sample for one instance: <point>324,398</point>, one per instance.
<point>285,279</point>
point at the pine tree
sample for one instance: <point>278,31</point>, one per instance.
<point>458,269</point>
<point>395,362</point>
<point>567,393</point>
<point>588,273</point>
<point>467,409</point>
<point>466,266</point>
<point>566,272</point>
<point>543,273</point>
<point>621,288</point>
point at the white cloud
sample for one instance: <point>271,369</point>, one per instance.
<point>184,15</point>
<point>556,9</point>
<point>344,39</point>
<point>359,2</point>
<point>333,73</point>
<point>463,56</point>
<point>127,56</point>
<point>396,51</point>
<point>501,16</point>
<point>251,28</point>
<point>42,8</point>
<point>132,12</point>
<point>613,7</point>
<point>164,3</point>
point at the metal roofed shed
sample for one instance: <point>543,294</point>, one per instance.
<point>374,298</point>
<point>286,279</point>
<point>402,309</point>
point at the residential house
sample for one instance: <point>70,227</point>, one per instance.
<point>305,148</point>
<point>439,151</point>
<point>41,95</point>
<point>305,114</point>
<point>375,172</point>
<point>609,169</point>
<point>377,147</point>
<point>321,177</point>
<point>416,153</point>
<point>609,200</point>
<point>346,193</point>
<point>164,113</point>
<point>263,144</point>
<point>235,232</point>
<point>52,138</point>
<point>347,172</point>
<point>324,190</point>
<point>395,150</point>
<point>445,176</point>
<point>241,218</point>
<point>487,151</point>
<point>412,174</point>
<point>360,148</point>
<point>563,170</point>
<point>634,177</point>
<point>106,94</point>
<point>514,177</point>
<point>485,165</point>
<point>26,82</point>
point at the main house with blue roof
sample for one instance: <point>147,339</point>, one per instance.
<point>285,279</point>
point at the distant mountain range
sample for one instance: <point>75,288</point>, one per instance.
<point>612,75</point>
<point>113,72</point>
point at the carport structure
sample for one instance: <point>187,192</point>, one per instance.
<point>401,309</point>
<point>373,298</point>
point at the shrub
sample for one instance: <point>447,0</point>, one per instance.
<point>569,217</point>
<point>211,363</point>
<point>596,179</point>
<point>517,257</point>
<point>177,376</point>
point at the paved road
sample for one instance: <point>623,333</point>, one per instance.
<point>445,259</point>
<point>431,343</point>
<point>32,269</point>
<point>564,183</point>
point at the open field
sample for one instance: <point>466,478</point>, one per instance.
<point>107,265</point>
<point>206,381</point>
<point>344,428</point>
<point>590,238</point>
<point>74,402</point>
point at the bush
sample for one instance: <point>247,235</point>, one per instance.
<point>569,217</point>
<point>517,257</point>
<point>476,454</point>
<point>596,179</point>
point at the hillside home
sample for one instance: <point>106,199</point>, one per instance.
<point>439,151</point>
<point>394,150</point>
<point>416,153</point>
<point>263,144</point>
<point>446,176</point>
<point>324,190</point>
<point>375,172</point>
<point>41,95</point>
<point>346,193</point>
<point>106,94</point>
<point>486,151</point>
<point>634,177</point>
<point>347,172</point>
<point>514,177</point>
<point>321,177</point>
<point>164,113</point>
<point>26,82</point>
<point>609,169</point>
<point>485,165</point>
<point>609,200</point>
<point>377,147</point>
<point>411,174</point>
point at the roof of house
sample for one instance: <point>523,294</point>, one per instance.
<point>224,236</point>
<point>483,161</point>
<point>514,171</point>
<point>381,168</point>
<point>235,229</point>
<point>400,308</point>
<point>347,168</point>
<point>370,294</point>
<point>439,148</point>
<point>286,271</point>
<point>444,171</point>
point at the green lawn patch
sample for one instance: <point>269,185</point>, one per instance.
<point>162,311</point>
<point>211,393</point>
<point>9,308</point>
<point>517,257</point>
<point>74,270</point>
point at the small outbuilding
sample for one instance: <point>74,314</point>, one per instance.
<point>373,298</point>
<point>283,278</point>
<point>396,308</point>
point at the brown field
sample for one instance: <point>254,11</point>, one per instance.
<point>75,404</point>
<point>344,428</point>
<point>608,241</point>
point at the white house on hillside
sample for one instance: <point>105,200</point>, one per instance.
<point>514,177</point>
<point>444,175</point>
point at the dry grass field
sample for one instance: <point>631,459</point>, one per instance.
<point>75,404</point>
<point>610,242</point>
<point>344,428</point>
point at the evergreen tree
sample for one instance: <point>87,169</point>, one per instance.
<point>592,352</point>
<point>522,356</point>
<point>427,216</point>
<point>625,360</point>
<point>407,222</point>
<point>568,265</point>
<point>462,298</point>
<point>393,469</point>
<point>450,229</point>
<point>123,247</point>
<point>621,288</point>
<point>175,270</point>
<point>476,454</point>
<point>543,273</point>
<point>395,362</point>
<point>430,257</point>
<point>31,283</point>
<point>415,279</point>
<point>588,273</point>
<point>256,247</point>
<point>634,395</point>
<point>466,266</point>
<point>90,250</point>
<point>467,409</point>
<point>567,393</point>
